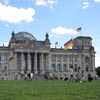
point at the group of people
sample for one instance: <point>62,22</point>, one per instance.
<point>25,76</point>
<point>79,77</point>
<point>29,76</point>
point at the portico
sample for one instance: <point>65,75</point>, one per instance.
<point>36,62</point>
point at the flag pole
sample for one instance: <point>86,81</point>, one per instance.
<point>68,45</point>
<point>72,59</point>
<point>79,30</point>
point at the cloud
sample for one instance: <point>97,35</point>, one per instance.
<point>63,30</point>
<point>4,44</point>
<point>12,14</point>
<point>7,25</point>
<point>51,3</point>
<point>85,5</point>
<point>6,2</point>
<point>41,3</point>
<point>97,0</point>
<point>48,3</point>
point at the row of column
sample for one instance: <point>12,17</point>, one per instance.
<point>43,62</point>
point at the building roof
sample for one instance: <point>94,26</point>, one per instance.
<point>24,36</point>
<point>83,37</point>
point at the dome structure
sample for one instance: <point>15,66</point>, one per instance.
<point>24,36</point>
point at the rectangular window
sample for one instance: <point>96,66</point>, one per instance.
<point>0,64</point>
<point>75,58</point>
<point>64,67</point>
<point>53,67</point>
<point>75,67</point>
<point>64,58</point>
<point>70,58</point>
<point>0,67</point>
<point>59,68</point>
<point>53,58</point>
<point>87,68</point>
<point>70,66</point>
<point>58,58</point>
<point>0,58</point>
<point>5,59</point>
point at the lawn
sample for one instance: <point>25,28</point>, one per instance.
<point>49,90</point>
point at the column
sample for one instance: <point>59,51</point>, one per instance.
<point>29,62</point>
<point>93,62</point>
<point>11,64</point>
<point>35,62</point>
<point>49,64</point>
<point>62,63</point>
<point>73,62</point>
<point>80,62</point>
<point>56,64</point>
<point>2,60</point>
<point>15,65</point>
<point>41,63</point>
<point>84,63</point>
<point>22,63</point>
<point>68,62</point>
<point>46,67</point>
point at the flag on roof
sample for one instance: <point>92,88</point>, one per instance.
<point>68,44</point>
<point>79,29</point>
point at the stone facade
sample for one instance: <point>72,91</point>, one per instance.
<point>25,54</point>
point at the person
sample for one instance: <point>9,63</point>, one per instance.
<point>31,76</point>
<point>84,79</point>
<point>71,77</point>
<point>25,76</point>
<point>16,76</point>
<point>78,76</point>
<point>90,78</point>
<point>65,78</point>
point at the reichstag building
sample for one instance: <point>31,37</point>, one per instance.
<point>26,54</point>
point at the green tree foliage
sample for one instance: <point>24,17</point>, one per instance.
<point>98,71</point>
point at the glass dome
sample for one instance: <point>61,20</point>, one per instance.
<point>24,36</point>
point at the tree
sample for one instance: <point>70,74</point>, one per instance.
<point>98,71</point>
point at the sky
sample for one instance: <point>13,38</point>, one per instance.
<point>60,18</point>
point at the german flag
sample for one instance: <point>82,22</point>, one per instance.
<point>68,44</point>
<point>11,59</point>
<point>79,29</point>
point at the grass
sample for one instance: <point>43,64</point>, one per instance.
<point>49,90</point>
